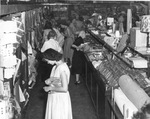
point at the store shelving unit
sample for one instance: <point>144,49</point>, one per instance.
<point>33,24</point>
<point>97,86</point>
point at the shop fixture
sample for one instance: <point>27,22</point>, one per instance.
<point>19,35</point>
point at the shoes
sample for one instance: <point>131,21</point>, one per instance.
<point>77,82</point>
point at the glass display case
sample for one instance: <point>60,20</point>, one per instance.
<point>103,70</point>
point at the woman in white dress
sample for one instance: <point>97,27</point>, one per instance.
<point>58,102</point>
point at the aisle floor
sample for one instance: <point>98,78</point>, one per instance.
<point>82,106</point>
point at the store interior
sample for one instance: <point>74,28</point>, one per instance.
<point>116,80</point>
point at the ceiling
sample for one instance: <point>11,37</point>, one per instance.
<point>63,1</point>
<point>12,6</point>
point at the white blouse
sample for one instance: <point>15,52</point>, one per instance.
<point>51,43</point>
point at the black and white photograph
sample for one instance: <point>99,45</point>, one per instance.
<point>74,59</point>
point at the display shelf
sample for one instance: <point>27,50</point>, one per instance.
<point>99,40</point>
<point>116,112</point>
<point>96,89</point>
<point>100,89</point>
<point>139,53</point>
<point>29,19</point>
<point>109,48</point>
<point>99,93</point>
<point>122,58</point>
<point>145,55</point>
<point>126,61</point>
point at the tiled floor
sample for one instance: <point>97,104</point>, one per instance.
<point>81,103</point>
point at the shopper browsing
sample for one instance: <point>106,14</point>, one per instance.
<point>68,51</point>
<point>58,102</point>
<point>47,29</point>
<point>78,57</point>
<point>50,43</point>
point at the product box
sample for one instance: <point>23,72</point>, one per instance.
<point>4,109</point>
<point>137,38</point>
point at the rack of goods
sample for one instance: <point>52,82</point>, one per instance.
<point>20,37</point>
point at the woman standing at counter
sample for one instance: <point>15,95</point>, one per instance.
<point>77,60</point>
<point>68,51</point>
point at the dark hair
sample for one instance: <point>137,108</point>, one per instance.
<point>138,115</point>
<point>52,54</point>
<point>51,34</point>
<point>146,109</point>
<point>48,25</point>
<point>62,30</point>
<point>66,23</point>
<point>81,18</point>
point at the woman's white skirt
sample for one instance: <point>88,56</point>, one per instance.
<point>58,106</point>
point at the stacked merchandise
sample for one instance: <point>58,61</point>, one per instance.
<point>133,73</point>
<point>33,23</point>
<point>129,96</point>
<point>127,85</point>
<point>113,69</point>
<point>9,65</point>
<point>110,72</point>
<point>20,37</point>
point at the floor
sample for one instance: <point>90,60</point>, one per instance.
<point>81,103</point>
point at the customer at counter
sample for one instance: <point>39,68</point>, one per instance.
<point>77,60</point>
<point>69,39</point>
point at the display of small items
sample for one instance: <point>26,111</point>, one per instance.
<point>8,66</point>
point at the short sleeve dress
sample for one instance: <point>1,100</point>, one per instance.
<point>78,58</point>
<point>59,103</point>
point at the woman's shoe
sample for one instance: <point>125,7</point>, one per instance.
<point>77,82</point>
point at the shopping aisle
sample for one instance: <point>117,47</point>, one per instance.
<point>82,106</point>
<point>81,103</point>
